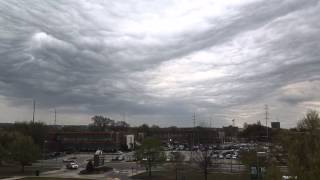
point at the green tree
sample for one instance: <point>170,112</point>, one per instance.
<point>38,131</point>
<point>273,173</point>
<point>5,139</point>
<point>150,154</point>
<point>303,146</point>
<point>23,150</point>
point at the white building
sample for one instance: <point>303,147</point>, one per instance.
<point>130,141</point>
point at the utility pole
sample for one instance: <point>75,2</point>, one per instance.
<point>194,120</point>
<point>233,122</point>
<point>34,110</point>
<point>194,125</point>
<point>267,117</point>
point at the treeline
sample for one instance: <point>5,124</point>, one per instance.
<point>101,123</point>
<point>297,148</point>
<point>21,143</point>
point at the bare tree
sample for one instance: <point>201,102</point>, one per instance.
<point>178,159</point>
<point>203,159</point>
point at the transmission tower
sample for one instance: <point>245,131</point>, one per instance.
<point>55,117</point>
<point>34,111</point>
<point>194,126</point>
<point>266,108</point>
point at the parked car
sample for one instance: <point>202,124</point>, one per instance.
<point>72,165</point>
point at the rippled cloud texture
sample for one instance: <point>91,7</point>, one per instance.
<point>159,61</point>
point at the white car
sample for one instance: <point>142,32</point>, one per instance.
<point>72,165</point>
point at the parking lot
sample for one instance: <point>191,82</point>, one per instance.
<point>223,160</point>
<point>121,169</point>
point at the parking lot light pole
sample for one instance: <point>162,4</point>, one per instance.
<point>43,153</point>
<point>231,164</point>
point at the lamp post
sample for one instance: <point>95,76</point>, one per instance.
<point>43,153</point>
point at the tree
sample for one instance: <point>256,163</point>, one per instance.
<point>3,153</point>
<point>38,131</point>
<point>101,123</point>
<point>150,154</point>
<point>203,160</point>
<point>178,159</point>
<point>5,139</point>
<point>145,129</point>
<point>255,132</point>
<point>23,150</point>
<point>303,146</point>
<point>273,173</point>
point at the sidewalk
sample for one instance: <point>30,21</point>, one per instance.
<point>14,178</point>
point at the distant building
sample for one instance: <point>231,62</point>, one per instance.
<point>85,141</point>
<point>186,136</point>
<point>130,141</point>
<point>275,125</point>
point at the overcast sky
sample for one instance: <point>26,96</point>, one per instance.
<point>158,61</point>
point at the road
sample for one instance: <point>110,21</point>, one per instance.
<point>121,169</point>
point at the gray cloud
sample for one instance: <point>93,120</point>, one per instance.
<point>144,59</point>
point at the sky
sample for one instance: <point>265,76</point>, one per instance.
<point>160,61</point>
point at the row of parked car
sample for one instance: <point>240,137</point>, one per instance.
<point>226,155</point>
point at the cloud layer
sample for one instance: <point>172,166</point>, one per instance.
<point>160,61</point>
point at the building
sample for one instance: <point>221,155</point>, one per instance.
<point>130,141</point>
<point>186,136</point>
<point>85,141</point>
<point>275,125</point>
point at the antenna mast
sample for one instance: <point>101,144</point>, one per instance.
<point>194,125</point>
<point>267,118</point>
<point>55,117</point>
<point>34,110</point>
